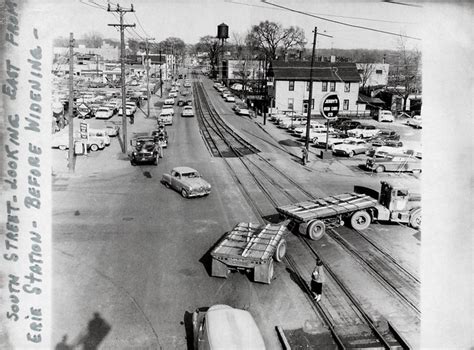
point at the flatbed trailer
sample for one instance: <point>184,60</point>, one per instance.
<point>250,247</point>
<point>315,215</point>
<point>394,203</point>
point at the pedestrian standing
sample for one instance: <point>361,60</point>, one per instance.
<point>317,280</point>
<point>304,156</point>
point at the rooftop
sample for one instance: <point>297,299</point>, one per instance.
<point>322,71</point>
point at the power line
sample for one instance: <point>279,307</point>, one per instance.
<point>339,22</point>
<point>324,14</point>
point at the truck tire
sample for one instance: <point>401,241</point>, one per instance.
<point>280,251</point>
<point>316,230</point>
<point>94,147</point>
<point>360,220</point>
<point>415,219</point>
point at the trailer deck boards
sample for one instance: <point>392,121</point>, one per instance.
<point>247,241</point>
<point>326,207</point>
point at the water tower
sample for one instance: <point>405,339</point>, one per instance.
<point>222,35</point>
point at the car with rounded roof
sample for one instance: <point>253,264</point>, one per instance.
<point>363,131</point>
<point>332,140</point>
<point>187,181</point>
<point>187,111</point>
<point>350,147</point>
<point>223,327</point>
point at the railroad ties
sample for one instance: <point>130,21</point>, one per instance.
<point>219,137</point>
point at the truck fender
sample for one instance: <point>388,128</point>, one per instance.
<point>380,213</point>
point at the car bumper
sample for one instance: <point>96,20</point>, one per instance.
<point>199,193</point>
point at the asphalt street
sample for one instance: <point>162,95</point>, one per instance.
<point>137,253</point>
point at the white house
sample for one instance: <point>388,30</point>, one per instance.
<point>373,74</point>
<point>291,85</point>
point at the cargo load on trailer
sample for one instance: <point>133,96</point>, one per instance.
<point>250,247</point>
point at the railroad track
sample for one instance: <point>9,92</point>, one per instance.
<point>274,192</point>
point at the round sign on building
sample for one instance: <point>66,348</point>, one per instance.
<point>330,105</point>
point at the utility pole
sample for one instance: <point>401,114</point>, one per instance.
<point>121,11</point>
<point>310,97</point>
<point>70,158</point>
<point>161,79</point>
<point>147,77</point>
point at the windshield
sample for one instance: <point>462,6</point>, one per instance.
<point>190,175</point>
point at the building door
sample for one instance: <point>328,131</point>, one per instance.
<point>305,108</point>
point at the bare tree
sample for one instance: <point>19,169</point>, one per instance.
<point>406,72</point>
<point>365,71</point>
<point>93,39</point>
<point>271,38</point>
<point>211,46</point>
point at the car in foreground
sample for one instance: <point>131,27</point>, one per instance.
<point>363,131</point>
<point>223,327</point>
<point>187,111</point>
<point>350,147</point>
<point>187,181</point>
<point>145,150</point>
<point>394,162</point>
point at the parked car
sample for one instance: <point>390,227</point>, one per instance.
<point>173,94</point>
<point>314,126</point>
<point>145,150</point>
<point>347,125</point>
<point>385,116</point>
<point>187,111</point>
<point>225,93</point>
<point>180,102</point>
<point>169,101</point>
<point>243,111</point>
<point>338,122</point>
<point>385,137</point>
<point>363,131</point>
<point>230,98</point>
<point>128,111</point>
<point>112,130</point>
<point>414,122</point>
<point>394,162</point>
<point>166,117</point>
<point>223,327</point>
<point>189,102</point>
<point>184,92</point>
<point>103,113</point>
<point>187,181</point>
<point>332,140</point>
<point>101,133</point>
<point>351,147</point>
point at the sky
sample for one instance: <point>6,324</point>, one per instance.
<point>192,19</point>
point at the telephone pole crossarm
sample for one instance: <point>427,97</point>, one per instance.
<point>121,12</point>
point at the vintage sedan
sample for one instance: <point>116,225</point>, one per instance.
<point>394,162</point>
<point>332,140</point>
<point>187,111</point>
<point>144,150</point>
<point>351,147</point>
<point>187,181</point>
<point>363,131</point>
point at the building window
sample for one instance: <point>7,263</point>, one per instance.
<point>332,86</point>
<point>378,71</point>
<point>325,86</point>
<point>346,105</point>
<point>291,85</point>
<point>347,87</point>
<point>291,101</point>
